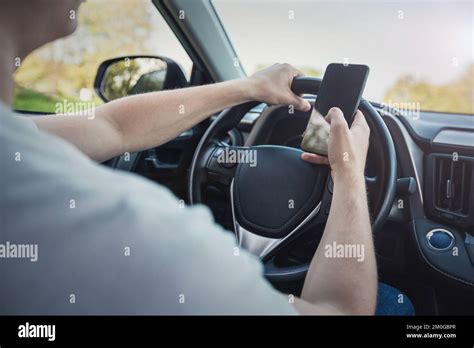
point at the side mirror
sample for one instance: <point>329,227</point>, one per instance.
<point>120,77</point>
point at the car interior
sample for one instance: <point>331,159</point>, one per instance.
<point>419,172</point>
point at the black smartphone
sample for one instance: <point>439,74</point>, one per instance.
<point>342,87</point>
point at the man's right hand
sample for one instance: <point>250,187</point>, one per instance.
<point>343,285</point>
<point>347,148</point>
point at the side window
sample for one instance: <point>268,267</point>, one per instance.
<point>64,71</point>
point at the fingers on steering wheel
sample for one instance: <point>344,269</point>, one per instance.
<point>314,158</point>
<point>301,104</point>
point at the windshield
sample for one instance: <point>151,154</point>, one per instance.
<point>419,53</point>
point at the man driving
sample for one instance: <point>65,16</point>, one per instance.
<point>111,242</point>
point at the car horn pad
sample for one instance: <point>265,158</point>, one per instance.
<point>276,191</point>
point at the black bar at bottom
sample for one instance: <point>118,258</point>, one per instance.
<point>242,329</point>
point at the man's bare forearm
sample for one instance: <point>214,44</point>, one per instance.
<point>178,111</point>
<point>144,121</point>
<point>344,280</point>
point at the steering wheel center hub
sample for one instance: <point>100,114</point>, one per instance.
<point>274,195</point>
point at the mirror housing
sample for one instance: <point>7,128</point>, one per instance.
<point>123,76</point>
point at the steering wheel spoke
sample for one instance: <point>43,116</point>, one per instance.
<point>222,163</point>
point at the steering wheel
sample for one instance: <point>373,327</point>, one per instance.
<point>275,196</point>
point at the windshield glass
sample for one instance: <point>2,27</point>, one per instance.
<point>419,53</point>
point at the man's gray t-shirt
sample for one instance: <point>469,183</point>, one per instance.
<point>111,242</point>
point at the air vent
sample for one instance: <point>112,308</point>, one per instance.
<point>453,180</point>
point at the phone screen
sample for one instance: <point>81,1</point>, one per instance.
<point>342,87</point>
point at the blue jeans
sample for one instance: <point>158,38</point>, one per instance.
<point>391,301</point>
